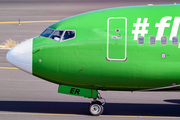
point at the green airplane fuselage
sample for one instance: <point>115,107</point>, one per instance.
<point>105,53</point>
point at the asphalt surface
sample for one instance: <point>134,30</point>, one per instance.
<point>34,10</point>
<point>23,96</point>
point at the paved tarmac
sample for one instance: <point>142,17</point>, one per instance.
<point>33,10</point>
<point>25,97</point>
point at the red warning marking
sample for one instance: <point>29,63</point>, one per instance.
<point>91,93</point>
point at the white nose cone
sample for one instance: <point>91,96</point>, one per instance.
<point>21,56</point>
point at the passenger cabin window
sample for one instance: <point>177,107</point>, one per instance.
<point>47,32</point>
<point>57,35</point>
<point>175,40</point>
<point>163,40</point>
<point>140,40</point>
<point>152,40</point>
<point>69,35</point>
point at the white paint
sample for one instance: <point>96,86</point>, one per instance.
<point>179,45</point>
<point>175,27</point>
<point>137,26</point>
<point>161,26</point>
<point>21,56</point>
<point>125,39</point>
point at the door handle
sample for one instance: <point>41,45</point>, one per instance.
<point>116,37</point>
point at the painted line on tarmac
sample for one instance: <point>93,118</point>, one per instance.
<point>41,21</point>
<point>8,68</point>
<point>115,116</point>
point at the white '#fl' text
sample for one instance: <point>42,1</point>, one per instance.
<point>161,27</point>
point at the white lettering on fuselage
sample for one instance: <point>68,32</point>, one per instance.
<point>175,27</point>
<point>137,25</point>
<point>161,27</point>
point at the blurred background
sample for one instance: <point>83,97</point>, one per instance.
<point>37,10</point>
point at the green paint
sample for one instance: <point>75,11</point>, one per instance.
<point>62,62</point>
<point>77,91</point>
<point>116,37</point>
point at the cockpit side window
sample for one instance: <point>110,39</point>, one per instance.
<point>57,35</point>
<point>69,34</point>
<point>47,32</point>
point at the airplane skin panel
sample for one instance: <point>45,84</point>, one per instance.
<point>116,39</point>
<point>82,62</point>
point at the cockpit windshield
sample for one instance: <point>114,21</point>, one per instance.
<point>47,32</point>
<point>59,35</point>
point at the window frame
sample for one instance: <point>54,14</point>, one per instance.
<point>50,34</point>
<point>64,31</point>
<point>150,40</point>
<point>143,40</point>
<point>54,32</point>
<point>177,40</point>
<point>161,40</point>
<point>64,34</point>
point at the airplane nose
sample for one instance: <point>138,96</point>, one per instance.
<point>21,56</point>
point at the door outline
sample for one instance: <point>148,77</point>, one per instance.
<point>107,58</point>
